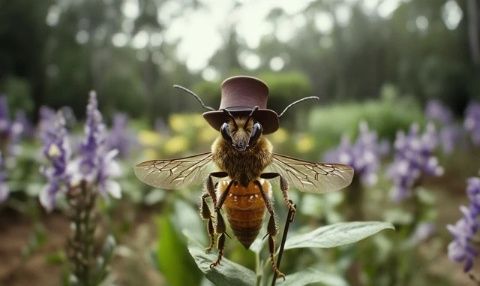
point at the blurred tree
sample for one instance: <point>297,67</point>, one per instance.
<point>23,34</point>
<point>57,51</point>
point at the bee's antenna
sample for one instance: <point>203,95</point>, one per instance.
<point>229,114</point>
<point>298,101</point>
<point>194,95</point>
<point>251,114</point>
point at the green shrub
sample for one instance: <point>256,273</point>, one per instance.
<point>386,116</point>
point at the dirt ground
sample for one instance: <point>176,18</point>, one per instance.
<point>130,264</point>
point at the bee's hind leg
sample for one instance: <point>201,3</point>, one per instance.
<point>220,227</point>
<point>271,230</point>
<point>205,209</point>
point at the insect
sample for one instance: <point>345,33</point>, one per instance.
<point>237,170</point>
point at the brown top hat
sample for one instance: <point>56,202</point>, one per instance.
<point>240,94</point>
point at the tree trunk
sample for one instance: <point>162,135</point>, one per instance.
<point>473,30</point>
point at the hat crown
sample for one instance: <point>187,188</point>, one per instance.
<point>243,91</point>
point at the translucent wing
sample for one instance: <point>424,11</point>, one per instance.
<point>175,173</point>
<point>310,176</point>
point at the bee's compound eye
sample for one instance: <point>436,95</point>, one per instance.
<point>256,132</point>
<point>225,132</point>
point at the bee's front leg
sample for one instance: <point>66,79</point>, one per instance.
<point>207,215</point>
<point>205,210</point>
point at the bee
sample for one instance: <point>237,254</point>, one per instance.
<point>237,170</point>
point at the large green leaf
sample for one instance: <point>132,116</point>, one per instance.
<point>312,275</point>
<point>337,234</point>
<point>173,259</point>
<point>226,273</point>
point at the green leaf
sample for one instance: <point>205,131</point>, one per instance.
<point>226,273</point>
<point>173,259</point>
<point>312,275</point>
<point>337,234</point>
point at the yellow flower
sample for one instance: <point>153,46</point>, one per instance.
<point>148,138</point>
<point>280,136</point>
<point>176,144</point>
<point>178,122</point>
<point>305,144</point>
<point>207,135</point>
<point>150,154</point>
<point>197,121</point>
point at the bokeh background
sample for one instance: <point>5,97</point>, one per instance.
<point>378,67</point>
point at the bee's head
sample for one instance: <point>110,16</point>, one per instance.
<point>242,132</point>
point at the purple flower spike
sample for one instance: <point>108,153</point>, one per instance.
<point>462,248</point>
<point>449,133</point>
<point>93,142</point>
<point>438,112</point>
<point>364,155</point>
<point>96,163</point>
<point>4,190</point>
<point>413,159</point>
<point>4,117</point>
<point>472,121</point>
<point>93,163</point>
<point>120,137</point>
<point>57,150</point>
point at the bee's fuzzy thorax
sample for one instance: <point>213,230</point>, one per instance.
<point>245,166</point>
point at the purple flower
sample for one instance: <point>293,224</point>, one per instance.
<point>462,248</point>
<point>364,155</point>
<point>422,232</point>
<point>4,190</point>
<point>472,121</point>
<point>96,164</point>
<point>438,112</point>
<point>120,137</point>
<point>57,151</point>
<point>413,159</point>
<point>10,131</point>
<point>449,137</point>
<point>449,133</point>
<point>46,122</point>
<point>4,117</point>
<point>94,161</point>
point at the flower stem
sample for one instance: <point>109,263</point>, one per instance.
<point>80,245</point>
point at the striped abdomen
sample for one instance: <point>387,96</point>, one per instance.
<point>245,209</point>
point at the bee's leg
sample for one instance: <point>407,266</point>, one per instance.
<point>205,210</point>
<point>207,215</point>
<point>271,229</point>
<point>220,227</point>
<point>284,188</point>
<point>210,186</point>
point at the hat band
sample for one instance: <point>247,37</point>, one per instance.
<point>239,107</point>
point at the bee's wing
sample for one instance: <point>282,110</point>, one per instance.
<point>175,173</point>
<point>310,176</point>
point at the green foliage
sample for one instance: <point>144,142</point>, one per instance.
<point>312,275</point>
<point>386,116</point>
<point>336,234</point>
<point>227,273</point>
<point>286,87</point>
<point>18,93</point>
<point>230,273</point>
<point>172,256</point>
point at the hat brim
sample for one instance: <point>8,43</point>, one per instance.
<point>267,118</point>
